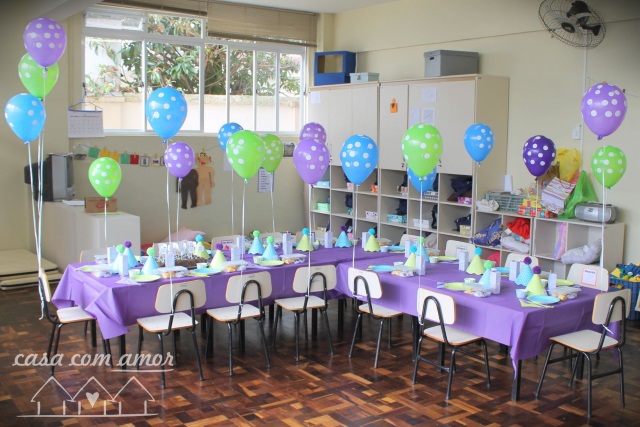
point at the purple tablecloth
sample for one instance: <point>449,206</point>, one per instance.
<point>116,305</point>
<point>499,318</point>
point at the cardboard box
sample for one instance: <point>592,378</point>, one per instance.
<point>96,204</point>
<point>450,62</point>
<point>364,77</point>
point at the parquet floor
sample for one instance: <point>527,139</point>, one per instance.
<point>319,390</point>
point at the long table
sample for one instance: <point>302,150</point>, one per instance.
<point>499,318</point>
<point>116,306</point>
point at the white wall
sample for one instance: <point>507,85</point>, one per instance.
<point>546,75</point>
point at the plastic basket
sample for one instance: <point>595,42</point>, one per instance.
<point>618,284</point>
<point>506,202</point>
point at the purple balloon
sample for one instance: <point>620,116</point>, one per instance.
<point>603,108</point>
<point>315,131</point>
<point>179,159</point>
<point>311,159</point>
<point>45,40</point>
<point>538,153</point>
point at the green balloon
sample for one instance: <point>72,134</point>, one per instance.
<point>274,151</point>
<point>245,152</point>
<point>422,148</point>
<point>608,164</point>
<point>36,79</point>
<point>105,176</point>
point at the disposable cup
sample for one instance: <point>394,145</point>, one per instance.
<point>202,265</point>
<point>521,293</point>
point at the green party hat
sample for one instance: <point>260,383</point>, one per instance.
<point>304,245</point>
<point>218,258</point>
<point>372,243</point>
<point>411,259</point>
<point>476,265</point>
<point>535,286</point>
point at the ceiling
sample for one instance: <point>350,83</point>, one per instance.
<point>318,6</point>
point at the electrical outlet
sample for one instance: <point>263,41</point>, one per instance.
<point>575,133</point>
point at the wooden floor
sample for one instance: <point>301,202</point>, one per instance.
<point>319,390</point>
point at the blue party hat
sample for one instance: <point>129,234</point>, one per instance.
<point>343,239</point>
<point>256,246</point>
<point>269,253</point>
<point>525,273</point>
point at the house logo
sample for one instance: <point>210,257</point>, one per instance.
<point>92,400</point>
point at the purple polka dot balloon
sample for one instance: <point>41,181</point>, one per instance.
<point>179,159</point>
<point>311,159</point>
<point>539,153</point>
<point>314,131</point>
<point>603,108</point>
<point>45,40</point>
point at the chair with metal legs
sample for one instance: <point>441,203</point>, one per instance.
<point>608,308</point>
<point>177,302</point>
<point>306,281</point>
<point>241,290</point>
<point>441,310</point>
<point>366,284</point>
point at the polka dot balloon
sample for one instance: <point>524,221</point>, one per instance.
<point>226,130</point>
<point>179,159</point>
<point>359,157</point>
<point>538,153</point>
<point>105,176</point>
<point>274,151</point>
<point>422,148</point>
<point>45,40</point>
<point>603,108</point>
<point>311,159</point>
<point>608,165</point>
<point>313,131</point>
<point>26,116</point>
<point>166,110</point>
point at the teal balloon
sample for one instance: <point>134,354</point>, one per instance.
<point>424,183</point>
<point>26,116</point>
<point>422,148</point>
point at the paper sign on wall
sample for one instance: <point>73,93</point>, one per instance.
<point>85,124</point>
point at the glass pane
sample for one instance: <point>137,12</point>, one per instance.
<point>131,21</point>
<point>113,81</point>
<point>176,66</point>
<point>215,88</point>
<point>266,92</point>
<point>290,92</point>
<point>241,88</point>
<point>175,25</point>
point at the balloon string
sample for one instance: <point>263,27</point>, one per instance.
<point>244,190</point>
<point>233,227</point>
<point>178,208</point>
<point>604,204</point>
<point>273,212</point>
<point>354,214</point>
<point>105,219</point>
<point>168,215</point>
<point>309,257</point>
<point>40,197</point>
<point>422,250</point>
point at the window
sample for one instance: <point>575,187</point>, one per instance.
<point>129,53</point>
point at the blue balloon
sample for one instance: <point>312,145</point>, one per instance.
<point>225,132</point>
<point>478,140</point>
<point>166,111</point>
<point>359,157</point>
<point>26,116</point>
<point>424,184</point>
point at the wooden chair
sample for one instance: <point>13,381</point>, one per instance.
<point>591,276</point>
<point>306,281</point>
<point>441,309</point>
<point>453,246</point>
<point>367,284</point>
<point>242,289</point>
<point>607,308</point>
<point>173,299</point>
<point>63,316</point>
<point>513,256</point>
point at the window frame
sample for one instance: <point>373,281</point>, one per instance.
<point>144,37</point>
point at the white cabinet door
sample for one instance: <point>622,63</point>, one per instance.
<point>394,102</point>
<point>449,106</point>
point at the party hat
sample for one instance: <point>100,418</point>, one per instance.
<point>131,258</point>
<point>304,245</point>
<point>411,260</point>
<point>256,246</point>
<point>201,251</point>
<point>269,253</point>
<point>476,266</point>
<point>218,258</point>
<point>121,263</point>
<point>343,239</point>
<point>422,251</point>
<point>535,286</point>
<point>372,244</point>
<point>485,280</point>
<point>525,273</point>
<point>150,265</point>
